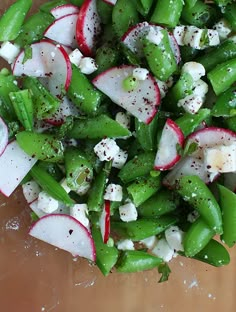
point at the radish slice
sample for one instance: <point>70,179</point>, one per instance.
<point>14,164</point>
<point>65,232</point>
<point>210,137</point>
<point>111,2</point>
<point>133,39</point>
<point>167,153</point>
<point>188,166</point>
<point>105,221</point>
<point>63,10</point>
<point>141,102</point>
<point>66,37</point>
<point>48,60</point>
<point>3,136</point>
<point>88,27</point>
<point>66,108</point>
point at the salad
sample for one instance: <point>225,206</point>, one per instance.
<point>118,119</point>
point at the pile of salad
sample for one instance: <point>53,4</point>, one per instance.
<point>118,119</point>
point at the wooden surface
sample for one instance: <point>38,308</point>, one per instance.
<point>36,277</point>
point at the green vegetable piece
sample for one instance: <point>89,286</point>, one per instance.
<point>197,194</point>
<point>97,128</point>
<point>106,57</point>
<point>104,11</point>
<point>50,185</point>
<point>106,256</point>
<point>142,228</point>
<point>144,6</point>
<point>23,105</point>
<point>231,123</point>
<point>79,171</point>
<point>230,15</point>
<point>225,105</point>
<point>165,271</point>
<point>228,206</point>
<point>197,237</point>
<point>136,261</point>
<point>147,134</point>
<point>13,18</point>
<point>42,146</point>
<point>49,5</point>
<point>52,168</point>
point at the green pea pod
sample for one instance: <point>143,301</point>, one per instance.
<point>144,6</point>
<point>52,168</point>
<point>225,105</point>
<point>97,128</point>
<point>82,93</point>
<point>197,237</point>
<point>33,28</point>
<point>228,206</point>
<point>143,188</point>
<point>160,58</point>
<point>142,228</point>
<point>196,193</point>
<point>50,185</point>
<point>77,2</point>
<point>13,18</point>
<point>167,12</point>
<point>136,261</point>
<point>230,15</point>
<point>42,146</point>
<point>161,203</point>
<point>124,15</point>
<point>188,53</point>
<point>137,167</point>
<point>146,134</point>
<point>79,171</point>
<point>106,57</point>
<point>104,11</point>
<point>231,123</point>
<point>106,257</point>
<point>223,76</point>
<point>214,253</point>
<point>49,5</point>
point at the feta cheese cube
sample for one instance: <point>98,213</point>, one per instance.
<point>196,70</point>
<point>9,51</point>
<point>80,212</point>
<point>200,88</point>
<point>193,37</point>
<point>179,33</point>
<point>46,203</point>
<point>106,149</point>
<point>125,244</point>
<point>220,158</point>
<point>75,57</point>
<point>174,237</point>
<point>31,191</point>
<point>163,87</point>
<point>113,192</point>
<point>213,37</point>
<point>120,159</point>
<point>223,29</point>
<point>149,242</point>
<point>123,119</point>
<point>191,103</point>
<point>155,36</point>
<point>163,250</point>
<point>87,65</point>
<point>140,73</point>
<point>128,212</point>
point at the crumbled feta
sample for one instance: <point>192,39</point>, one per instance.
<point>191,103</point>
<point>149,242</point>
<point>113,192</point>
<point>213,37</point>
<point>193,37</point>
<point>123,119</point>
<point>200,88</point>
<point>106,149</point>
<point>223,29</point>
<point>75,57</point>
<point>163,250</point>
<point>87,65</point>
<point>196,70</point>
<point>80,212</point>
<point>65,186</point>
<point>174,237</point>
<point>155,36</point>
<point>120,159</point>
<point>31,191</point>
<point>220,158</point>
<point>179,33</point>
<point>140,73</point>
<point>192,216</point>
<point>128,212</point>
<point>163,87</point>
<point>125,244</point>
<point>46,203</point>
<point>9,51</point>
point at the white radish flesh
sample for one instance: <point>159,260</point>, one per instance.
<point>3,136</point>
<point>105,221</point>
<point>63,10</point>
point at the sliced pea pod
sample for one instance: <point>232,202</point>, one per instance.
<point>225,105</point>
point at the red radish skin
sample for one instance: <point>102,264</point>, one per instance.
<point>65,232</point>
<point>88,27</point>
<point>132,39</point>
<point>142,102</point>
<point>111,2</point>
<point>67,36</point>
<point>49,61</point>
<point>3,136</point>
<point>167,154</point>
<point>105,222</point>
<point>64,10</point>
